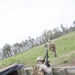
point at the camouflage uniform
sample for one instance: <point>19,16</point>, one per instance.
<point>41,68</point>
<point>52,47</point>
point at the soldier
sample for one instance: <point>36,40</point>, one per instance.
<point>52,47</point>
<point>41,68</point>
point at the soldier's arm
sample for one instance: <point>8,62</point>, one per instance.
<point>46,69</point>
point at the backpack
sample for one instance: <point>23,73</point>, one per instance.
<point>35,71</point>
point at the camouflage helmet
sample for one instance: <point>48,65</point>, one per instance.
<point>40,58</point>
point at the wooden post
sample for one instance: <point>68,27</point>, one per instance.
<point>63,71</point>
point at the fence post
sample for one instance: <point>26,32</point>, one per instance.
<point>63,71</point>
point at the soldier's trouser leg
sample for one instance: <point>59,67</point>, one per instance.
<point>54,53</point>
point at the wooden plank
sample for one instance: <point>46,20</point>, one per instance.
<point>63,71</point>
<point>56,71</point>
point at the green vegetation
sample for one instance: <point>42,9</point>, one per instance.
<point>65,50</point>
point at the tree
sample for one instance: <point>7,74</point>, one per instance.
<point>63,29</point>
<point>37,40</point>
<point>74,24</point>
<point>16,48</point>
<point>57,32</point>
<point>24,45</point>
<point>50,35</point>
<point>31,42</point>
<point>45,36</point>
<point>7,50</point>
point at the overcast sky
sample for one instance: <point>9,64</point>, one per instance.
<point>22,18</point>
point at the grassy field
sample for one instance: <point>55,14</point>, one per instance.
<point>65,53</point>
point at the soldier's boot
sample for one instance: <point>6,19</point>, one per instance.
<point>54,53</point>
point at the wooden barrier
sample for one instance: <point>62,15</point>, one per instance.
<point>55,71</point>
<point>25,71</point>
<point>64,71</point>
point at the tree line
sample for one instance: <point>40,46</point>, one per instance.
<point>24,45</point>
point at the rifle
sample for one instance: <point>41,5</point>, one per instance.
<point>46,56</point>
